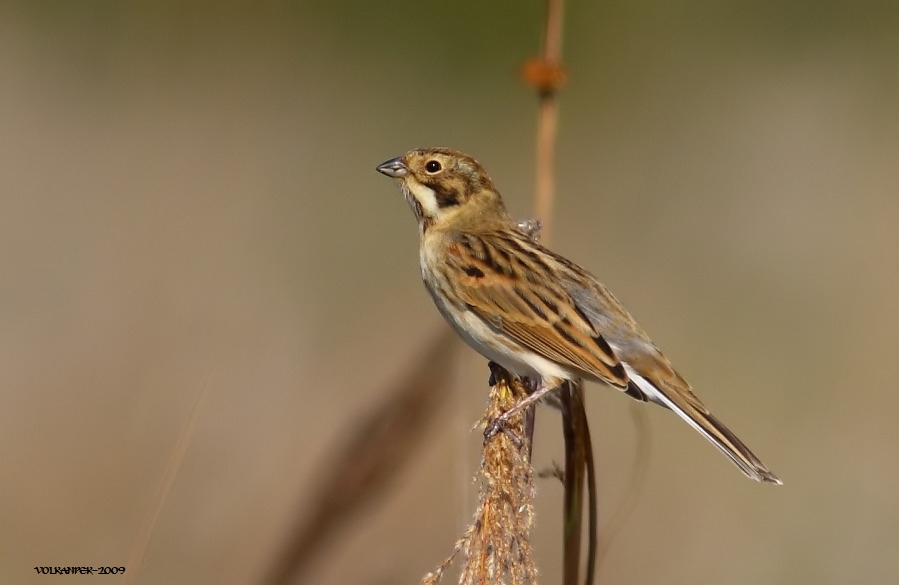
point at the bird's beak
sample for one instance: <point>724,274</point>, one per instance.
<point>394,167</point>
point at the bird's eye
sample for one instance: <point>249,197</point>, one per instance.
<point>432,166</point>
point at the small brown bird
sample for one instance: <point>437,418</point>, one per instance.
<point>530,310</point>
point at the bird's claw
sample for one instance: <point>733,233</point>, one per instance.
<point>501,425</point>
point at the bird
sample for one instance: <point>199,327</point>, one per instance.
<point>531,310</point>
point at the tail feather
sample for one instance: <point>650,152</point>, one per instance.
<point>687,406</point>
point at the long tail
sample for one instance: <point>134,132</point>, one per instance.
<point>688,407</point>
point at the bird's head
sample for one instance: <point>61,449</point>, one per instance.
<point>445,187</point>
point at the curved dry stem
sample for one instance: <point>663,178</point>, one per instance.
<point>377,445</point>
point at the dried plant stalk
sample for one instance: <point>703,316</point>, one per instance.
<point>496,547</point>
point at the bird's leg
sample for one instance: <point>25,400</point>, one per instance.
<point>501,423</point>
<point>491,381</point>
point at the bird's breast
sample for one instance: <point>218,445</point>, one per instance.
<point>486,338</point>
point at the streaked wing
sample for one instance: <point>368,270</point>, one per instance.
<point>508,282</point>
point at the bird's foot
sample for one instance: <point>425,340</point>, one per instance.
<point>501,425</point>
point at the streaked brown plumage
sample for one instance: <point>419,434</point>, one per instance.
<point>529,309</point>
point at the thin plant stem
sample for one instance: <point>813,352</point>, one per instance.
<point>176,458</point>
<point>547,125</point>
<point>546,147</point>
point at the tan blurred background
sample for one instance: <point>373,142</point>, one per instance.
<point>188,200</point>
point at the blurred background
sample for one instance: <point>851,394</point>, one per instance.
<point>188,204</point>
